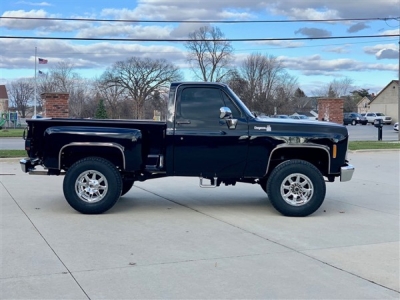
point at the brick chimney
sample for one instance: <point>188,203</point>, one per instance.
<point>55,105</point>
<point>330,109</point>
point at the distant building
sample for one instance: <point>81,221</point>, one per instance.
<point>387,101</point>
<point>363,105</point>
<point>3,99</point>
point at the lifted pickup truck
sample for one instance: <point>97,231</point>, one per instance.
<point>209,133</point>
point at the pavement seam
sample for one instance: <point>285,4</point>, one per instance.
<point>269,240</point>
<point>48,244</point>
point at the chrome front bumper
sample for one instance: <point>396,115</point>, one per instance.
<point>346,172</point>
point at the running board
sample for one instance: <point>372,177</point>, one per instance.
<point>211,185</point>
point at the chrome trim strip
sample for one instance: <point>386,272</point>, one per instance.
<point>326,148</point>
<point>85,144</point>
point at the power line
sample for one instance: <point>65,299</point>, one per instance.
<point>198,40</point>
<point>199,21</point>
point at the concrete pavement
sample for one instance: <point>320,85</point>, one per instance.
<point>167,238</point>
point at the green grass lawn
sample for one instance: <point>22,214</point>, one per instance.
<point>11,132</point>
<point>372,145</point>
<point>12,153</point>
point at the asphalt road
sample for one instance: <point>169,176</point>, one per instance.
<point>169,239</point>
<point>357,133</point>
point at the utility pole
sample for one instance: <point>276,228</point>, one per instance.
<point>398,86</point>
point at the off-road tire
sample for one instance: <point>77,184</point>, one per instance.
<point>291,178</point>
<point>92,185</point>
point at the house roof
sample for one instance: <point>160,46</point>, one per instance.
<point>362,99</point>
<point>393,81</point>
<point>3,92</point>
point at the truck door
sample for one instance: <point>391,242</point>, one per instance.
<point>204,145</point>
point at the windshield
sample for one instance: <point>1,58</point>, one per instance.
<point>241,104</point>
<point>380,114</point>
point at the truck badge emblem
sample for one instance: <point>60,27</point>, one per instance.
<point>268,128</point>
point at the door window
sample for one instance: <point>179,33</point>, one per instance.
<point>199,106</point>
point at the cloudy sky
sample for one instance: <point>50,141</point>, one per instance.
<point>371,62</point>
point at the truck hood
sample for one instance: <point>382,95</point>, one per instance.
<point>289,129</point>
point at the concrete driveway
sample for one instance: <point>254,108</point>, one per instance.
<point>168,238</point>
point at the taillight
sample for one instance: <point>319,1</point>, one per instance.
<point>27,144</point>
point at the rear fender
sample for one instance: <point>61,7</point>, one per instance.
<point>67,144</point>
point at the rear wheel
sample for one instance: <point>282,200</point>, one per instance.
<point>296,188</point>
<point>92,185</point>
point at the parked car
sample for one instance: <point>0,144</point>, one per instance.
<point>280,116</point>
<point>372,116</point>
<point>299,117</point>
<point>354,119</point>
<point>396,126</point>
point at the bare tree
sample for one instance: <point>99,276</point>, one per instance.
<point>283,99</point>
<point>210,52</point>
<point>112,95</point>
<point>263,82</point>
<point>140,78</point>
<point>335,88</point>
<point>21,93</point>
<point>157,102</point>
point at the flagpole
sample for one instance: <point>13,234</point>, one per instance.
<point>34,105</point>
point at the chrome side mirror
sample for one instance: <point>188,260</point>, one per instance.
<point>225,112</point>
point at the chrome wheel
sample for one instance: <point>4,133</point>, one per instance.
<point>297,189</point>
<point>91,186</point>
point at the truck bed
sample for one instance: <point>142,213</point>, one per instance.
<point>153,132</point>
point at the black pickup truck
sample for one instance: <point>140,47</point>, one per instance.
<point>209,133</point>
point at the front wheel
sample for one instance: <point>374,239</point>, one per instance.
<point>92,185</point>
<point>296,188</point>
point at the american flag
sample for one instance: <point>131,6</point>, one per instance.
<point>42,73</point>
<point>42,61</point>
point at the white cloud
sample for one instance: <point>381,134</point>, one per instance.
<point>34,3</point>
<point>279,44</point>
<point>315,65</point>
<point>129,31</point>
<point>392,31</point>
<point>96,55</point>
<point>306,14</point>
<point>45,26</point>
<point>322,9</point>
<point>383,51</point>
<point>23,24</point>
